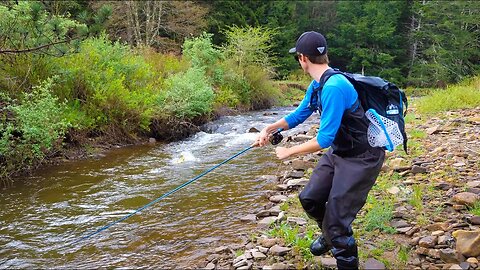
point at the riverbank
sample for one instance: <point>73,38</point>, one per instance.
<point>423,212</point>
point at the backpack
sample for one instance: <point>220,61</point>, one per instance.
<point>379,98</point>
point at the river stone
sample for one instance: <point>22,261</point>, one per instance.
<point>328,262</point>
<point>210,266</point>
<point>399,223</point>
<point>295,174</point>
<point>275,211</point>
<point>473,184</point>
<point>297,220</point>
<point>393,190</point>
<point>449,255</point>
<point>397,163</point>
<point>267,242</point>
<point>472,260</point>
<point>372,264</point>
<point>276,266</point>
<point>249,218</point>
<point>468,242</point>
<point>267,221</point>
<point>263,213</point>
<point>438,226</point>
<point>466,198</point>
<point>302,165</point>
<point>475,220</point>
<point>418,169</point>
<point>253,130</point>
<point>297,182</point>
<point>257,255</point>
<point>279,250</point>
<point>277,198</point>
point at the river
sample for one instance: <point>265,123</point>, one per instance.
<point>42,213</point>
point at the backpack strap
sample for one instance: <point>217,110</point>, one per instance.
<point>314,98</point>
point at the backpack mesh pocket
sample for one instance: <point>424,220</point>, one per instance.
<point>382,132</point>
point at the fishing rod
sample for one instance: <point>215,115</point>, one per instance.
<point>276,138</point>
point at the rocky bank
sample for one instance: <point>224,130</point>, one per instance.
<point>433,223</point>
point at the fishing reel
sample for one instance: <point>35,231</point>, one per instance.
<point>277,137</point>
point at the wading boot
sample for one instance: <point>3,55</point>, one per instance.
<point>319,246</point>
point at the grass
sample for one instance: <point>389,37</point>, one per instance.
<point>475,209</point>
<point>463,95</point>
<point>294,238</point>
<point>379,215</point>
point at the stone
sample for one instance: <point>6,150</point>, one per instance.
<point>295,174</point>
<point>372,264</point>
<point>473,184</point>
<point>267,221</point>
<point>328,262</point>
<point>302,165</point>
<point>267,242</point>
<point>275,211</point>
<point>418,169</point>
<point>475,220</point>
<point>221,249</point>
<point>449,255</point>
<point>257,255</point>
<point>399,223</point>
<point>397,163</point>
<point>437,233</point>
<point>432,130</point>
<point>249,218</point>
<point>466,198</point>
<point>253,130</point>
<point>277,198</point>
<point>276,266</point>
<point>152,140</point>
<point>209,266</point>
<point>404,229</point>
<point>296,182</point>
<point>438,226</point>
<point>464,265</point>
<point>467,242</point>
<point>263,213</point>
<point>279,250</point>
<point>455,267</point>
<point>393,190</point>
<point>297,220</point>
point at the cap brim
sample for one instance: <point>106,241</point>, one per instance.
<point>292,50</point>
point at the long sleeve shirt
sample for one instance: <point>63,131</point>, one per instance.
<point>337,96</point>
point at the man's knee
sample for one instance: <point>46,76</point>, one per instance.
<point>314,209</point>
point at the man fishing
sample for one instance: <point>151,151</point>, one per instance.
<point>346,172</point>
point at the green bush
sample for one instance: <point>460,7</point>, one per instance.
<point>187,95</point>
<point>463,95</point>
<point>30,128</point>
<point>113,87</point>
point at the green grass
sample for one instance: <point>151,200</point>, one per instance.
<point>293,238</point>
<point>475,209</point>
<point>379,215</point>
<point>459,96</point>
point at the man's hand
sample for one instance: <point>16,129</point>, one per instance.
<point>262,138</point>
<point>283,152</point>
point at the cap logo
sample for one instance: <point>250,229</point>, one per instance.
<point>321,49</point>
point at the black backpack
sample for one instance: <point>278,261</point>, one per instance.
<point>378,94</point>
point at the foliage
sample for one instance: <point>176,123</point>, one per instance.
<point>463,95</point>
<point>30,127</point>
<point>294,238</point>
<point>379,215</point>
<point>110,84</point>
<point>202,54</point>
<point>187,95</point>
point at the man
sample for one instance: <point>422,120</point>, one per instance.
<point>344,175</point>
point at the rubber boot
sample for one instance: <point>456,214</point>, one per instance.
<point>346,252</point>
<point>319,246</point>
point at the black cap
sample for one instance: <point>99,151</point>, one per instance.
<point>310,43</point>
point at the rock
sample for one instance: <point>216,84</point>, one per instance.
<point>277,198</point>
<point>301,138</point>
<point>466,198</point>
<point>267,221</point>
<point>276,266</point>
<point>210,266</point>
<point>295,174</point>
<point>152,140</point>
<point>404,229</point>
<point>393,190</point>
<point>297,220</point>
<point>297,182</point>
<point>465,265</point>
<point>445,239</point>
<point>263,213</point>
<point>257,255</point>
<point>437,233</point>
<point>432,130</point>
<point>279,250</point>
<point>253,130</point>
<point>221,249</point>
<point>455,267</point>
<point>328,262</point>
<point>475,220</point>
<point>397,163</point>
<point>472,260</point>
<point>281,187</point>
<point>267,242</point>
<point>449,255</point>
<point>439,226</point>
<point>249,218</point>
<point>372,264</point>
<point>302,165</point>
<point>418,169</point>
<point>473,184</point>
<point>275,211</point>
<point>467,242</point>
<point>399,223</point>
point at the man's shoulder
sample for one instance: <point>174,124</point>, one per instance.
<point>339,81</point>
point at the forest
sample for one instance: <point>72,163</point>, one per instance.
<point>122,70</point>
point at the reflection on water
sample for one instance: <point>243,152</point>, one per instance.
<point>57,205</point>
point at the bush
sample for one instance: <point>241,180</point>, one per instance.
<point>188,95</point>
<point>113,87</point>
<point>31,128</point>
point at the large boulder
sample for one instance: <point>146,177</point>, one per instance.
<point>468,242</point>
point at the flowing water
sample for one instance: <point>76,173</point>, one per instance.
<point>57,205</point>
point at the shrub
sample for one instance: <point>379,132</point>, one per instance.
<point>187,95</point>
<point>31,128</point>
<point>113,87</point>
